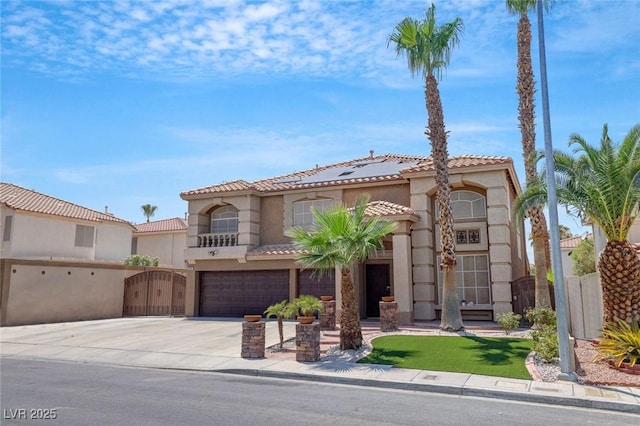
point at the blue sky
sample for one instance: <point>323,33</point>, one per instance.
<point>128,103</point>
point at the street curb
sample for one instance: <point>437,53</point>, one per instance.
<point>443,389</point>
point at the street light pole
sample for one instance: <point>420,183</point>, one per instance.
<point>558,276</point>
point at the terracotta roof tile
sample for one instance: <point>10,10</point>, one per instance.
<point>386,208</point>
<point>275,250</point>
<point>175,224</point>
<point>574,241</point>
<point>460,161</point>
<point>18,198</point>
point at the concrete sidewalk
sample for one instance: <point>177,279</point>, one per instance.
<point>215,345</point>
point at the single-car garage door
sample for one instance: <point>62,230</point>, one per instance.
<point>238,293</point>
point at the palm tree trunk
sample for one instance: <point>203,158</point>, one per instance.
<point>350,330</point>
<point>281,331</point>
<point>526,116</point>
<point>540,237</point>
<point>619,268</point>
<point>451,315</point>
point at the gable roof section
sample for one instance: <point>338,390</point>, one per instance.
<point>175,224</point>
<point>572,242</point>
<point>387,167</point>
<point>460,161</point>
<point>28,200</point>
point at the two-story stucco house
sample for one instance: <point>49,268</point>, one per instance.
<point>38,226</point>
<point>165,239</point>
<point>240,261</point>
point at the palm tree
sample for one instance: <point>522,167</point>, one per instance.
<point>341,238</point>
<point>526,116</point>
<point>602,185</point>
<point>148,210</point>
<point>427,48</point>
<point>564,232</point>
<point>280,310</point>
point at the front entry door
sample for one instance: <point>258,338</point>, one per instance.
<point>378,283</point>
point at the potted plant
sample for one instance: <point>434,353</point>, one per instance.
<point>306,306</point>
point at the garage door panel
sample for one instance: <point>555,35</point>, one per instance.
<point>316,286</point>
<point>236,293</point>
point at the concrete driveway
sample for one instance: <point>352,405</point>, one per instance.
<point>193,336</point>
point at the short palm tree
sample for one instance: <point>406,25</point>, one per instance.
<point>148,210</point>
<point>602,185</point>
<point>342,237</point>
<point>427,47</point>
<point>526,117</point>
<point>280,310</point>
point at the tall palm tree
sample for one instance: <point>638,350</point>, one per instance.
<point>526,116</point>
<point>148,210</point>
<point>342,237</point>
<point>427,47</point>
<point>602,185</point>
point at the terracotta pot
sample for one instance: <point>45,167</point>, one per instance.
<point>388,298</point>
<point>252,318</point>
<point>626,367</point>
<point>306,320</point>
<point>326,298</point>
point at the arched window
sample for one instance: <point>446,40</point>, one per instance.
<point>466,205</point>
<point>224,220</point>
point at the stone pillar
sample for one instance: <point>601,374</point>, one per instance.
<point>253,339</point>
<point>388,316</point>
<point>328,315</point>
<point>308,342</point>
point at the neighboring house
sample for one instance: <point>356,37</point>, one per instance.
<point>566,247</point>
<point>239,260</point>
<point>165,239</point>
<point>37,226</point>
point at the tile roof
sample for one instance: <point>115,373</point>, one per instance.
<point>386,208</point>
<point>380,168</point>
<point>275,250</point>
<point>175,224</point>
<point>18,198</point>
<point>573,242</point>
<point>460,161</point>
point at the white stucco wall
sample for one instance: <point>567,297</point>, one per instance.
<point>45,236</point>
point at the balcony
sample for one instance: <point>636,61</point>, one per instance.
<point>218,240</point>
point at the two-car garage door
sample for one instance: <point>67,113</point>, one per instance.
<point>237,293</point>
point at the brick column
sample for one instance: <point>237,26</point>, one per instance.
<point>388,316</point>
<point>308,342</point>
<point>253,339</point>
<point>328,315</point>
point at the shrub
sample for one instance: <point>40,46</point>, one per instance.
<point>542,316</point>
<point>584,258</point>
<point>139,260</point>
<point>307,305</point>
<point>545,343</point>
<point>620,342</point>
<point>544,333</point>
<point>509,321</point>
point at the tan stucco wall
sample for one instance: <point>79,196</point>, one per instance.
<point>35,292</point>
<point>398,194</point>
<point>271,219</point>
<point>169,248</point>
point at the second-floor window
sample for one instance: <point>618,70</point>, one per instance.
<point>84,235</point>
<point>302,215</point>
<point>224,220</point>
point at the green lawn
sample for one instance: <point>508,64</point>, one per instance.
<point>490,356</point>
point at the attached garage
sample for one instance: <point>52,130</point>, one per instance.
<point>237,293</point>
<point>324,285</point>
